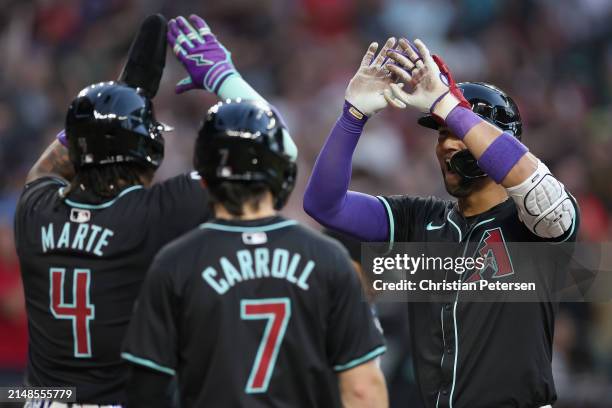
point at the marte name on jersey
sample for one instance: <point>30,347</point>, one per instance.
<point>89,238</point>
<point>257,264</point>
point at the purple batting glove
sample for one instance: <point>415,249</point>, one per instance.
<point>206,60</point>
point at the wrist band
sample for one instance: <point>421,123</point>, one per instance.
<point>352,119</point>
<point>461,120</point>
<point>217,74</point>
<point>501,156</point>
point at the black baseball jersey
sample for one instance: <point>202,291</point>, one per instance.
<point>82,266</point>
<point>476,354</point>
<point>253,314</point>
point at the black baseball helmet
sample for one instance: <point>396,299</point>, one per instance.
<point>112,123</point>
<point>490,103</point>
<point>246,141</point>
<point>493,105</point>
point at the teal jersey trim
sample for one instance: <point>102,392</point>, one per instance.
<point>363,359</point>
<point>391,221</point>
<point>236,228</point>
<point>99,206</point>
<point>454,225</point>
<point>147,363</point>
<point>455,314</point>
<point>450,400</point>
<point>443,348</point>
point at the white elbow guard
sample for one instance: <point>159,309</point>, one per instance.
<point>543,204</point>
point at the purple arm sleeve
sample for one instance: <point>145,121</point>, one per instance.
<point>327,198</point>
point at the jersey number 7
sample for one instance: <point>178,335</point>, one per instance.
<point>277,312</point>
<point>80,311</point>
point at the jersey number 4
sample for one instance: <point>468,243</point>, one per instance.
<point>277,312</point>
<point>80,311</point>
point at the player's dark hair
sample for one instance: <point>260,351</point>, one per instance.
<point>106,181</point>
<point>235,195</point>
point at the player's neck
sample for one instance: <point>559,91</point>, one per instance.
<point>264,209</point>
<point>482,200</point>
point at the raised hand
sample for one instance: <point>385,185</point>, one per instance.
<point>206,60</point>
<point>365,91</point>
<point>430,85</point>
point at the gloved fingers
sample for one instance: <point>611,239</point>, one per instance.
<point>392,100</point>
<point>369,55</point>
<point>202,28</point>
<point>401,60</point>
<point>189,31</point>
<point>398,93</point>
<point>411,45</point>
<point>173,28</point>
<point>410,51</point>
<point>378,61</point>
<point>177,48</point>
<point>400,73</point>
<point>425,54</point>
<point>181,37</point>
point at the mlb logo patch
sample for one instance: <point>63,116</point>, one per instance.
<point>79,215</point>
<point>254,238</point>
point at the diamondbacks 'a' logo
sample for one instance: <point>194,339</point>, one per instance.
<point>200,60</point>
<point>497,263</point>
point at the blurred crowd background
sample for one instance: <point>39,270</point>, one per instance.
<point>553,56</point>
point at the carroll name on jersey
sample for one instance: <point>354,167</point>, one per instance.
<point>258,263</point>
<point>89,238</point>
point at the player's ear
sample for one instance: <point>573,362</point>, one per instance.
<point>203,183</point>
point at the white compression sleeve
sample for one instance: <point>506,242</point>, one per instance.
<point>236,87</point>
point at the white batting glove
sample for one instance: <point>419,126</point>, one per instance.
<point>431,90</point>
<point>366,89</point>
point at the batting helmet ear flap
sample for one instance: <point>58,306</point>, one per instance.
<point>465,164</point>
<point>289,179</point>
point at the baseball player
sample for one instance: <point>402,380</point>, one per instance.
<point>88,224</point>
<point>253,309</point>
<point>466,354</point>
<point>89,220</point>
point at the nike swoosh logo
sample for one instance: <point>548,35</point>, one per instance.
<point>431,227</point>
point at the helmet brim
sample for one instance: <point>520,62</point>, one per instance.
<point>428,121</point>
<point>488,102</point>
